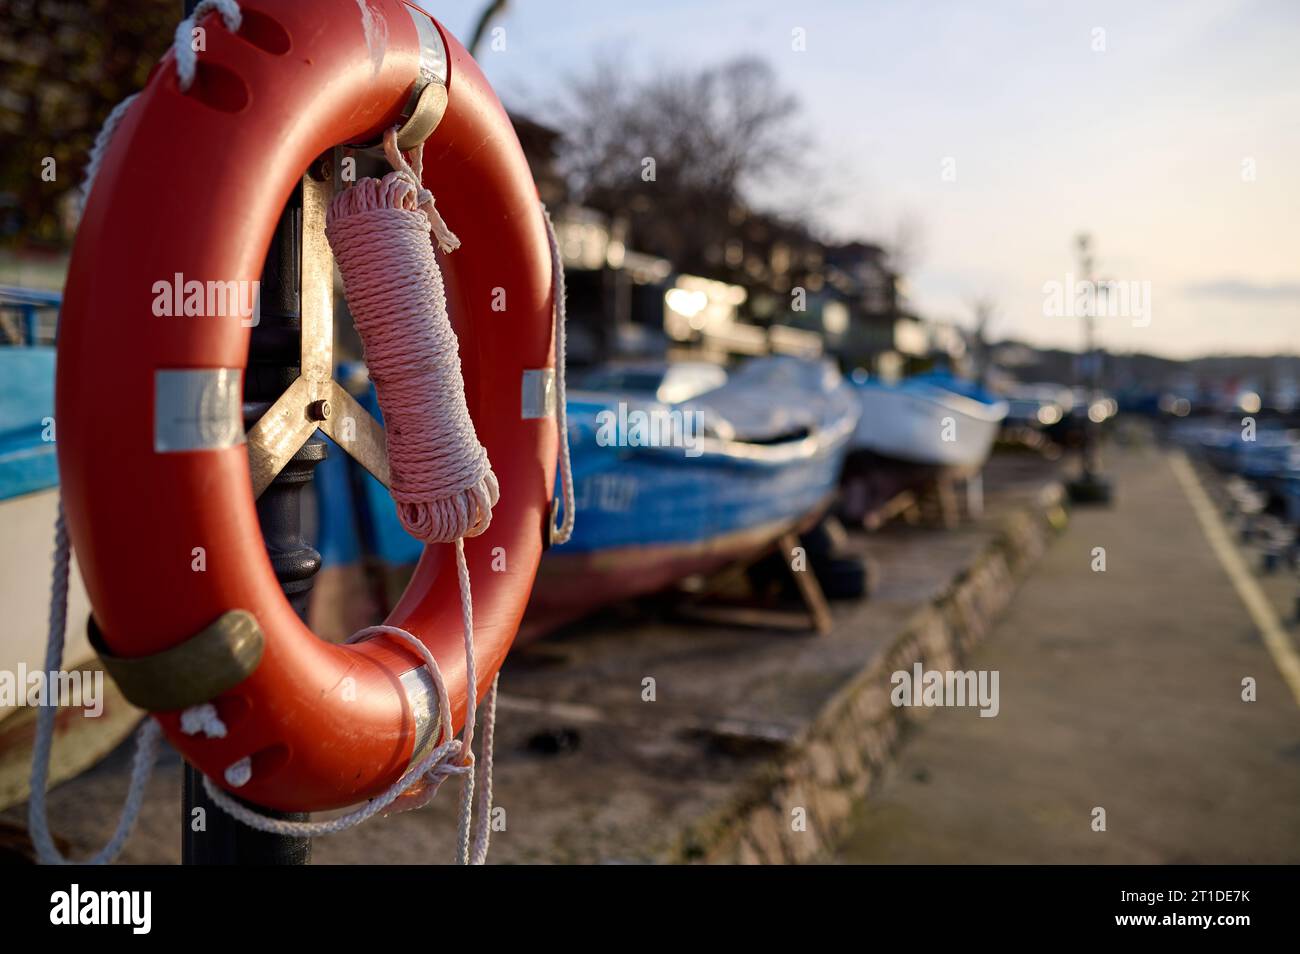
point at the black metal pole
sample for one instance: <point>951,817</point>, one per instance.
<point>273,364</point>
<point>1090,486</point>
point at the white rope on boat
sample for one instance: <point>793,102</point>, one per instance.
<point>562,532</point>
<point>146,741</point>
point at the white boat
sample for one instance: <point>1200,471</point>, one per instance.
<point>935,419</point>
<point>29,500</point>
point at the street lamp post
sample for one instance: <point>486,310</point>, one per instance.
<point>1090,486</point>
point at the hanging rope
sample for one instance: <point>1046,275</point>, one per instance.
<point>146,741</point>
<point>450,757</point>
<point>186,67</point>
<point>562,532</point>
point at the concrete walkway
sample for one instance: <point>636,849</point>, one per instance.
<point>1119,689</point>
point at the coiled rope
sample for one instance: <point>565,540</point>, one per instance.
<point>423,471</point>
<point>441,479</point>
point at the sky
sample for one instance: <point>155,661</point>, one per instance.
<point>994,132</point>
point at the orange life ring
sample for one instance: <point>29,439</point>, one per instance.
<point>193,184</point>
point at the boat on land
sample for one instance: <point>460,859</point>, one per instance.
<point>736,461</point>
<point>29,502</point>
<point>1037,406</point>
<point>920,432</point>
<point>934,419</point>
<point>29,490</point>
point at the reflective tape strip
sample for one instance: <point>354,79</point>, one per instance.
<point>538,394</point>
<point>433,55</point>
<point>197,409</point>
<point>423,700</point>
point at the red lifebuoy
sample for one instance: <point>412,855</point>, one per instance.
<point>193,183</point>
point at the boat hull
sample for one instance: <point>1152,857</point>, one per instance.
<point>651,517</point>
<point>567,582</point>
<point>927,427</point>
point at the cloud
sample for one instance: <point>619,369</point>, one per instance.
<point>1235,289</point>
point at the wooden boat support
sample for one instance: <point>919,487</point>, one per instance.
<point>877,491</point>
<point>710,604</point>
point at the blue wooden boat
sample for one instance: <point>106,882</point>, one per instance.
<point>737,465</point>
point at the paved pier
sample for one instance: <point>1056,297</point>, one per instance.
<point>1119,689</point>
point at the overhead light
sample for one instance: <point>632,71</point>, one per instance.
<point>686,303</point>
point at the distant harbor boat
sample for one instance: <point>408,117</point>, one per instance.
<point>934,419</point>
<point>765,460</point>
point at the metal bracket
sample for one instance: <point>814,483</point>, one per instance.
<point>315,399</point>
<point>217,658</point>
<point>429,109</point>
<point>537,394</point>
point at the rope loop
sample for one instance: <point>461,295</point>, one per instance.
<point>187,58</point>
<point>412,171</point>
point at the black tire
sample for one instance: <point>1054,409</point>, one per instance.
<point>844,578</point>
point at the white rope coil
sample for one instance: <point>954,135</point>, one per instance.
<point>441,478</point>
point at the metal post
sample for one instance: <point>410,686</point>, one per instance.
<point>1091,486</point>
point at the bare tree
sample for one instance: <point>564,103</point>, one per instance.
<point>63,67</point>
<point>493,10</point>
<point>906,246</point>
<point>676,152</point>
